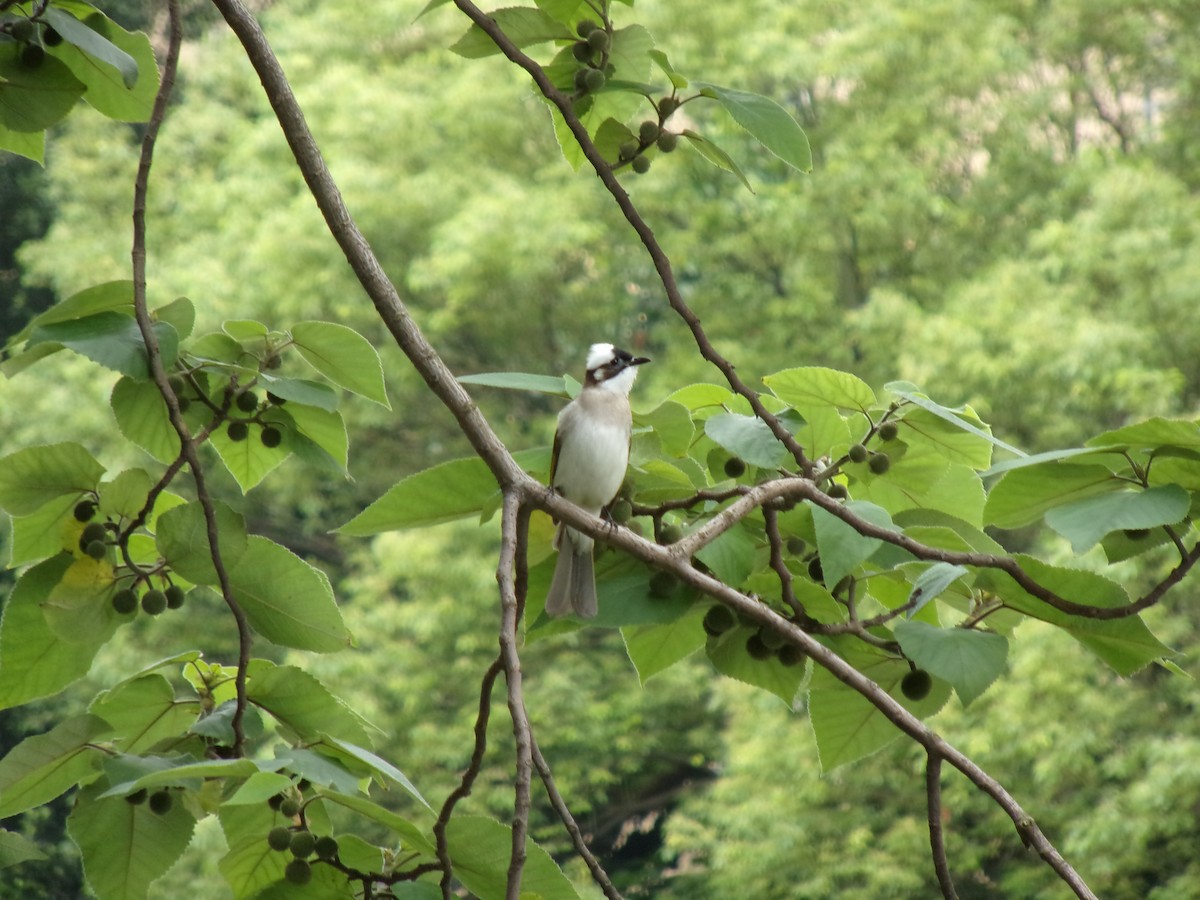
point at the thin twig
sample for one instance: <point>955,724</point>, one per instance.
<point>158,372</point>
<point>937,842</point>
<point>509,620</point>
<point>771,522</point>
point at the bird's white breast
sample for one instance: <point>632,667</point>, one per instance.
<point>594,449</point>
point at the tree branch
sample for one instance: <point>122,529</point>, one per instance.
<point>933,792</point>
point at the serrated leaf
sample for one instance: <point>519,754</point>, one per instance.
<point>1153,432</point>
<point>970,660</point>
<point>250,865</point>
<point>144,711</point>
<point>806,387</point>
<point>317,768</point>
<point>672,425</point>
<point>956,417</point>
<point>111,339</point>
<point>413,837</point>
<point>343,356</point>
<point>43,766</point>
<point>249,460</point>
<point>841,548</point>
<point>287,601</point>
<point>716,156</point>
<point>300,390</point>
<point>34,662</point>
<point>47,532</point>
<point>654,648</point>
<point>1023,496</point>
<point>523,25</point>
<point>767,122</point>
<point>31,100</point>
<point>731,556</point>
<point>660,60</point>
<point>1035,459</point>
<point>304,706</point>
<point>932,582</point>
<point>107,89</point>
<point>107,297</point>
<point>259,788</point>
<point>480,849</point>
<point>182,539</point>
<point>37,475</point>
<point>16,849</point>
<point>381,767</point>
<point>126,493</point>
<point>518,381</point>
<point>180,313</point>
<point>31,145</point>
<point>1084,523</point>
<point>78,607</point>
<point>746,436</point>
<point>729,656</point>
<point>326,431</point>
<point>93,44</point>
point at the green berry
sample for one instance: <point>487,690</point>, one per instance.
<point>97,550</point>
<point>648,131</point>
<point>289,807</point>
<point>298,871</point>
<point>888,431</point>
<point>125,601</point>
<point>670,533</point>
<point>668,141</point>
<point>814,570</point>
<point>238,431</point>
<point>582,51</point>
<point>718,620</point>
<point>756,648</point>
<point>302,844</point>
<point>837,491</point>
<point>138,797</point>
<point>175,596</point>
<point>279,838</point>
<point>662,585</point>
<point>92,532</point>
<point>879,463</point>
<point>857,453</point>
<point>640,164</point>
<point>621,511</point>
<point>161,803</point>
<point>23,30</point>
<point>586,27</point>
<point>85,511</point>
<point>627,150</point>
<point>154,602</point>
<point>790,655</point>
<point>597,40</point>
<point>667,105</point>
<point>271,436</point>
<point>580,80</point>
<point>735,467</point>
<point>327,847</point>
<point>916,684</point>
<point>770,637</point>
<point>593,79</point>
<point>247,402</point>
<point>796,546</point>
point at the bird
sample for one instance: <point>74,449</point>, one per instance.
<point>587,466</point>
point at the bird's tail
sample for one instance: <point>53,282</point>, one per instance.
<point>573,588</point>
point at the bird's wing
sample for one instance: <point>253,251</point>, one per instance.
<point>554,456</point>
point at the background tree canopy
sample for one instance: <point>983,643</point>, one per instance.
<point>1003,209</point>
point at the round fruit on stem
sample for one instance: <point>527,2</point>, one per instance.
<point>279,838</point>
<point>888,431</point>
<point>247,402</point>
<point>175,596</point>
<point>327,847</point>
<point>640,164</point>
<point>154,602</point>
<point>271,436</point>
<point>735,467</point>
<point>85,511</point>
<point>916,684</point>
<point>161,803</point>
<point>879,463</point>
<point>125,601</point>
<point>857,453</point>
<point>302,844</point>
<point>593,79</point>
<point>238,431</point>
<point>648,131</point>
<point>718,620</point>
<point>668,141</point>
<point>298,871</point>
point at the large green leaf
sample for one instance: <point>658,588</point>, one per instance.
<point>304,706</point>
<point>841,548</point>
<point>413,837</point>
<point>287,601</point>
<point>518,381</point>
<point>963,418</point>
<point>111,339</point>
<point>480,849</point>
<point>524,26</point>
<point>343,356</point>
<point>248,460</point>
<point>125,846</point>
<point>141,414</point>
<point>813,386</point>
<point>16,849</point>
<point>655,648</point>
<point>969,660</point>
<point>767,122</point>
<point>182,538</point>
<point>1023,496</point>
<point>31,145</point>
<point>250,865</point>
<point>317,437</point>
<point>33,99</point>
<point>746,436</point>
<point>107,90</point>
<point>1084,523</point>
<point>95,45</point>
<point>44,533</point>
<point>926,432</point>
<point>716,156</point>
<point>78,607</point>
<point>1153,432</point>
<point>34,662</point>
<point>45,765</point>
<point>144,711</point>
<point>729,655</point>
<point>37,475</point>
<point>381,768</point>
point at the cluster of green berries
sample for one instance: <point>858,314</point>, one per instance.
<point>877,461</point>
<point>153,602</point>
<point>592,51</point>
<point>763,643</point>
<point>248,402</point>
<point>159,803</point>
<point>650,134</point>
<point>298,841</point>
<point>33,37</point>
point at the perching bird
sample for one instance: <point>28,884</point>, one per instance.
<point>591,452</point>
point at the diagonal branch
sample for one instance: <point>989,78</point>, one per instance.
<point>158,371</point>
<point>937,842</point>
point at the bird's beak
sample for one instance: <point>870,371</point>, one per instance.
<point>639,360</point>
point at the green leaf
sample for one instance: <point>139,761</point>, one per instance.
<point>79,607</point>
<point>1125,644</point>
<point>318,768</point>
<point>611,135</point>
<point>1022,462</point>
<point>300,390</point>
<point>249,460</point>
<point>480,849</point>
<point>304,706</point>
<point>731,555</point>
<point>44,766</point>
<point>127,773</point>
<point>107,90</point>
<point>970,660</point>
<point>716,156</point>
<point>767,122</point>
<point>412,836</point>
<point>671,424</point>
<point>259,788</point>
<point>1084,523</point>
<point>34,662</point>
<point>111,296</point>
<point>182,538</point>
<point>31,145</point>
<point>1023,496</point>
<point>144,711</point>
<point>746,436</point>
<point>847,725</point>
<point>110,339</point>
<point>448,491</point>
<point>93,44</point>
<point>37,475</point>
<point>35,99</point>
<point>343,356</point>
<point>322,434</point>
<point>287,601</point>
<point>1154,432</point>
<point>126,846</point>
<point>250,865</point>
<point>729,656</point>
<point>655,648</point>
<point>807,387</point>
<point>180,313</point>
<point>379,766</point>
<point>44,533</point>
<point>932,582</point>
<point>16,849</point>
<point>840,547</point>
<point>518,381</point>
<point>660,59</point>
<point>957,417</point>
<point>126,494</point>
<point>928,434</point>
<point>524,26</point>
